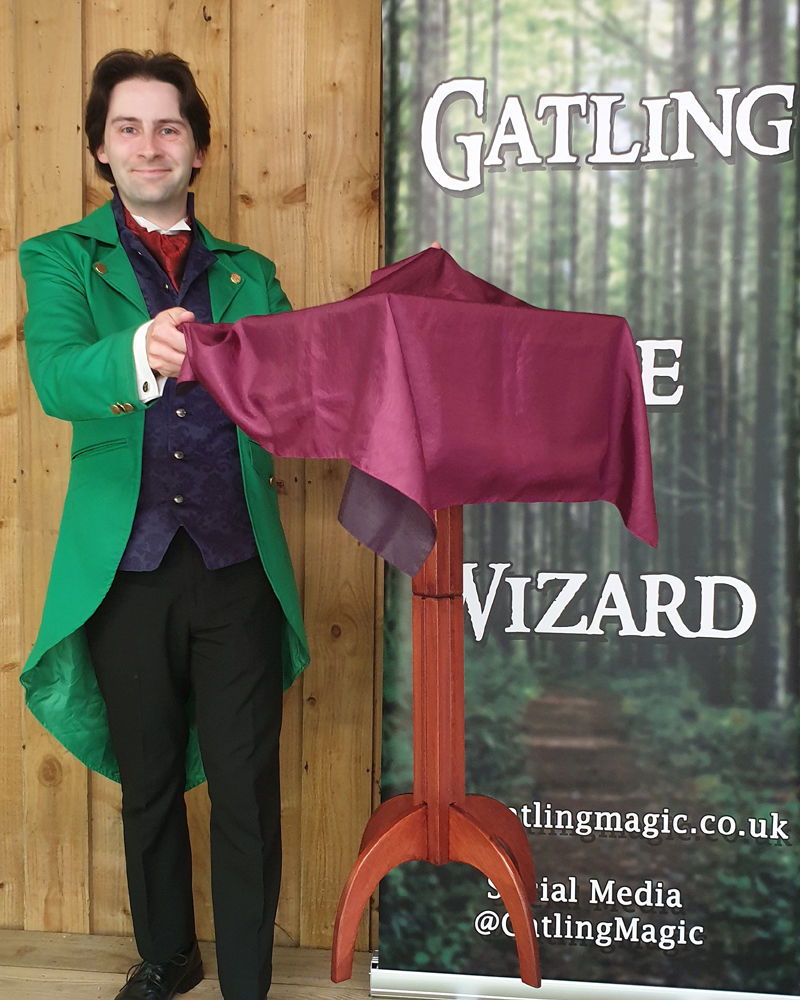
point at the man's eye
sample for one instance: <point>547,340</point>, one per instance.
<point>128,129</point>
<point>170,131</point>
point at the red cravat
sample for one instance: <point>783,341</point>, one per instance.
<point>168,249</point>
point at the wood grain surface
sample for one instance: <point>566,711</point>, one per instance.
<point>293,171</point>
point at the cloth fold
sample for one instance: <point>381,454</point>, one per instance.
<point>440,389</point>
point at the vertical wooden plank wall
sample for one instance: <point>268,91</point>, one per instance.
<point>50,171</point>
<point>293,88</point>
<point>342,230</point>
<point>11,865</point>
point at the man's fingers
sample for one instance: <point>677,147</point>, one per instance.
<point>181,315</point>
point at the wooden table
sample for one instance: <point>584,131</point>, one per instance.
<point>438,821</point>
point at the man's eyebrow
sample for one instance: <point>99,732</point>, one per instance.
<point>138,121</point>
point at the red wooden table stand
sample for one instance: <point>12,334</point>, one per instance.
<point>438,821</point>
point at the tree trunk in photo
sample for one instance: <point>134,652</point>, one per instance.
<point>391,126</point>
<point>553,247</point>
<point>632,556</point>
<point>692,527</point>
<point>718,675</point>
<point>530,236</point>
<point>574,203</point>
<point>509,234</point>
<point>768,531</point>
<point>792,486</point>
<point>494,110</point>
<point>602,231</point>
<point>444,74</point>
<point>732,539</point>
<point>469,45</point>
<point>426,194</point>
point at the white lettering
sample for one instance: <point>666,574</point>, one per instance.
<point>604,132</point>
<point>656,108</point>
<point>598,895</point>
<point>479,614</point>
<point>782,126</point>
<point>720,137</point>
<point>651,371</point>
<point>561,105</point>
<point>518,585</point>
<point>472,142</point>
<point>708,588</point>
<point>613,590</point>
<point>573,583</point>
<point>513,114</point>
<point>654,608</point>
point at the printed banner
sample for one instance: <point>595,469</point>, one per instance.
<point>636,708</point>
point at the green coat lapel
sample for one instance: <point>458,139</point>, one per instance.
<point>115,270</point>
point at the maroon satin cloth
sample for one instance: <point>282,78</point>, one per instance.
<point>440,389</point>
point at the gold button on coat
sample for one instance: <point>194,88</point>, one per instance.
<point>236,278</point>
<point>128,407</point>
<point>100,268</point>
<point>116,408</point>
<point>271,480</point>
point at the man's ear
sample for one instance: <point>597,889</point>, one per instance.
<point>199,159</point>
<point>100,153</point>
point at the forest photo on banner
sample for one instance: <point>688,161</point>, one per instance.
<point>637,708</point>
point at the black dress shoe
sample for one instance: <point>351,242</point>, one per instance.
<point>147,981</point>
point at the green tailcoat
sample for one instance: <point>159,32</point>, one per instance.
<point>84,305</point>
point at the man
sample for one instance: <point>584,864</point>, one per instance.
<point>171,618</point>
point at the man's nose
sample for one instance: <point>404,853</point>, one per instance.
<point>150,144</point>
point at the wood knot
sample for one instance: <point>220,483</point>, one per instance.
<point>311,701</point>
<point>246,199</point>
<point>50,771</point>
<point>336,631</point>
<point>296,196</point>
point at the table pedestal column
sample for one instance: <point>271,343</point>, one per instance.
<point>438,822</point>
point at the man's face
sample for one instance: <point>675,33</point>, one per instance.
<point>150,149</point>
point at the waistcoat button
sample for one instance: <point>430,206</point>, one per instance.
<point>178,499</point>
<point>180,412</point>
<point>178,454</point>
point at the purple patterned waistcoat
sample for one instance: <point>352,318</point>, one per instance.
<point>191,471</point>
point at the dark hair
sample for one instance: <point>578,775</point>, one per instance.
<point>125,64</point>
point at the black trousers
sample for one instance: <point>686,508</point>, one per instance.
<point>178,640</point>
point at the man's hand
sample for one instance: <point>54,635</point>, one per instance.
<point>436,245</point>
<point>165,344</point>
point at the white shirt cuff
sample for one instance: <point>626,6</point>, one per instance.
<point>148,385</point>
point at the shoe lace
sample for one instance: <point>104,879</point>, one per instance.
<point>153,976</point>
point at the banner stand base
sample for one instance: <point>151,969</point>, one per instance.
<point>453,986</point>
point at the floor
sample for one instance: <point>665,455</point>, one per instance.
<point>37,966</point>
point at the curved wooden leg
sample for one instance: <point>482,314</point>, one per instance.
<point>472,844</point>
<point>389,846</point>
<point>506,827</point>
<point>387,814</point>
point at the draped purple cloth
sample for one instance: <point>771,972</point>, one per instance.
<point>440,389</point>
